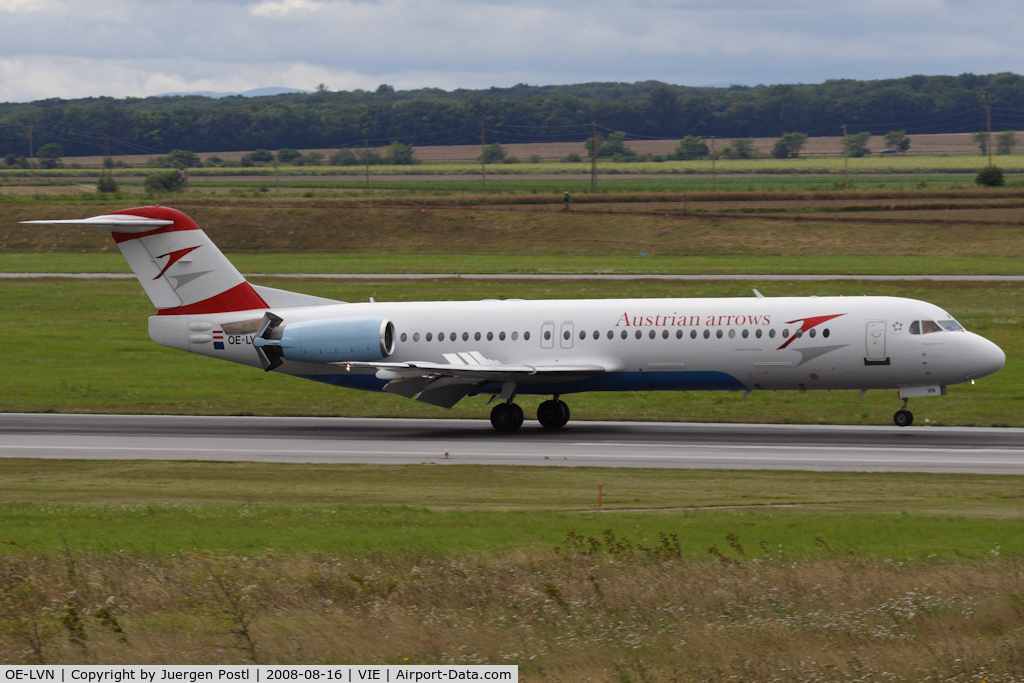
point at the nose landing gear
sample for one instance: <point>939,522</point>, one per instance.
<point>903,417</point>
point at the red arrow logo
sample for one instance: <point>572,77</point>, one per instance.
<point>173,257</point>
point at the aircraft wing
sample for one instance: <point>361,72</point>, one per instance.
<point>445,384</point>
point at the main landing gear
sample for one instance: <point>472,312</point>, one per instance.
<point>903,417</point>
<point>508,417</point>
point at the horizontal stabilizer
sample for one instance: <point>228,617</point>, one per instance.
<point>126,223</point>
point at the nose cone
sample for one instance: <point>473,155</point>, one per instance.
<point>987,357</point>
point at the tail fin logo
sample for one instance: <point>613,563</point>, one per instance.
<point>173,257</point>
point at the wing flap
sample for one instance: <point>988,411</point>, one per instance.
<point>445,384</point>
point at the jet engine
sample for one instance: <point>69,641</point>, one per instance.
<point>323,341</point>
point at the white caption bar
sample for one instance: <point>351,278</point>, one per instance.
<point>254,673</point>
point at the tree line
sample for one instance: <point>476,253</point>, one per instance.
<point>523,113</point>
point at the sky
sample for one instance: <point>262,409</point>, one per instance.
<point>136,48</point>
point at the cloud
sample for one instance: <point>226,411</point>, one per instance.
<point>26,6</point>
<point>279,9</point>
<point>68,48</point>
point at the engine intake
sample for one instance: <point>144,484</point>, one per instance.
<point>324,341</point>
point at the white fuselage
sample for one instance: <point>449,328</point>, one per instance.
<point>740,344</point>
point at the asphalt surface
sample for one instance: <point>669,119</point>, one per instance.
<point>556,276</point>
<point>594,444</point>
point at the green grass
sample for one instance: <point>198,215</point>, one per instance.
<point>161,508</point>
<point>623,264</point>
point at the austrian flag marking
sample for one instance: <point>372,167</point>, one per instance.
<point>218,340</point>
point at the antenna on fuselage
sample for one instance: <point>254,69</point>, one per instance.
<point>758,294</point>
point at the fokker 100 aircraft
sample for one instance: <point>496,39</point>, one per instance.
<point>440,352</point>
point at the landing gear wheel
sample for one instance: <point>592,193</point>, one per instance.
<point>903,418</point>
<point>507,417</point>
<point>553,414</point>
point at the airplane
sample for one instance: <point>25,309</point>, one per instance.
<point>440,352</point>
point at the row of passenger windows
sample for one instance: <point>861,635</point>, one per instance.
<point>623,334</point>
<point>441,336</point>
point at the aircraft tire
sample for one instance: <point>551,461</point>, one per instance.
<point>903,418</point>
<point>507,417</point>
<point>553,414</point>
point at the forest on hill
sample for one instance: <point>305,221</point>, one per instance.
<point>523,113</point>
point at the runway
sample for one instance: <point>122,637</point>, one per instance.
<point>474,442</point>
<point>558,276</point>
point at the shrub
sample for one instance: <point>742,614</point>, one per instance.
<point>106,184</point>
<point>164,181</point>
<point>990,176</point>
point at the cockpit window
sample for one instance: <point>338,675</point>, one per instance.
<point>924,327</point>
<point>930,326</point>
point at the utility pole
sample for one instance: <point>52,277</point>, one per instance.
<point>593,157</point>
<point>31,151</point>
<point>714,172</point>
<point>846,161</point>
<point>366,160</point>
<point>483,156</point>
<point>988,125</point>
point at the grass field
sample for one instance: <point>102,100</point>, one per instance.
<point>892,164</point>
<point>851,576</point>
<point>681,575</point>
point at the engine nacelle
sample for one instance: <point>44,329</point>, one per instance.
<point>327,341</point>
